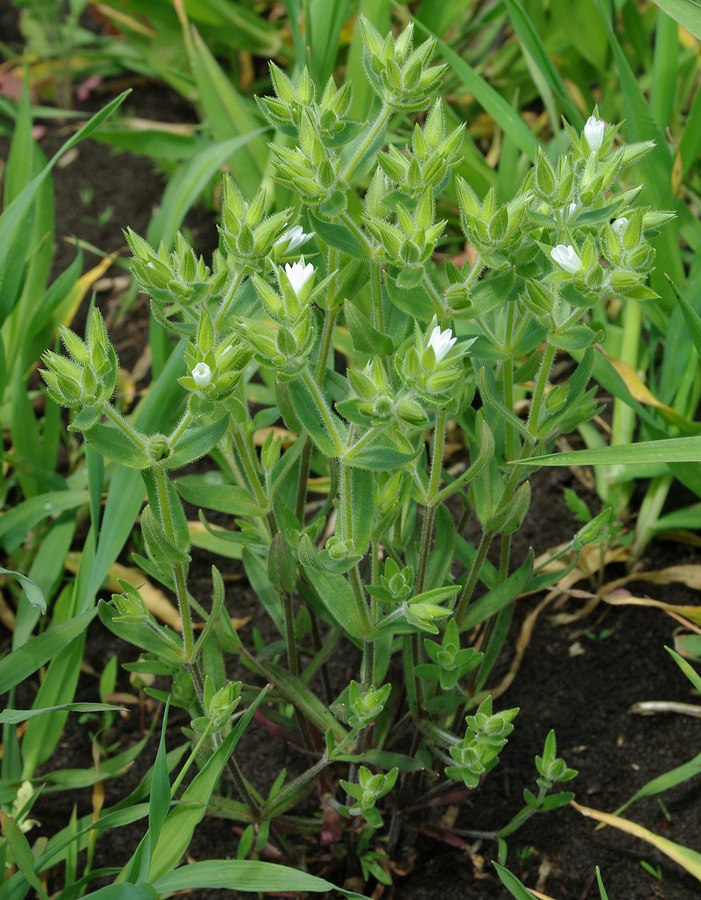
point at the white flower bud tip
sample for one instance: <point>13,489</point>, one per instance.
<point>441,342</point>
<point>566,257</point>
<point>202,375</point>
<point>298,274</point>
<point>594,133</point>
<point>620,225</point>
<point>294,238</point>
<point>572,209</point>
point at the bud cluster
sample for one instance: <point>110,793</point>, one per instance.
<point>177,280</point>
<point>214,367</point>
<point>368,790</point>
<point>499,233</point>
<point>551,769</point>
<point>485,737</point>
<point>285,338</point>
<point>410,240</point>
<point>365,705</point>
<point>292,102</point>
<point>432,156</point>
<point>449,661</point>
<point>433,365</point>
<point>375,402</point>
<point>87,379</point>
<point>400,74</point>
<point>247,233</point>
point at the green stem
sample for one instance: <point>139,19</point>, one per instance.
<point>370,137</point>
<point>539,390</point>
<point>180,428</point>
<point>438,304</point>
<point>324,350</point>
<point>228,299</point>
<point>178,570</point>
<point>376,295</point>
<point>125,426</point>
<point>322,408</point>
<point>475,569</point>
<point>191,758</point>
<point>358,232</point>
<point>511,445</point>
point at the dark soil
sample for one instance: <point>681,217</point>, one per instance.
<point>579,678</point>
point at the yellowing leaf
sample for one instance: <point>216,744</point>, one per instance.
<point>685,857</point>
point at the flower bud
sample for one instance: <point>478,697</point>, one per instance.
<point>567,258</point>
<point>594,130</point>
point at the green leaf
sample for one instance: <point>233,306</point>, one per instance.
<point>244,875</point>
<point>512,884</point>
<point>225,498</point>
<point>13,220</point>
<point>414,301</point>
<point>666,782</point>
<point>338,236</point>
<point>500,596</point>
<point>336,595</point>
<point>312,409</point>
<point>196,442</point>
<point>139,891</point>
<point>686,668</point>
<point>14,716</point>
<point>669,450</point>
<point>117,446</point>
<point>21,853</point>
<point>686,12</point>
<point>22,662</point>
<point>531,43</point>
<point>138,634</point>
<point>366,338</point>
<point>32,591</point>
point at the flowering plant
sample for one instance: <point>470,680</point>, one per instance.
<point>375,550</point>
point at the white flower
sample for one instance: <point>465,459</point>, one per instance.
<point>594,133</point>
<point>441,342</point>
<point>572,209</point>
<point>202,375</point>
<point>620,225</point>
<point>294,238</point>
<point>298,274</point>
<point>566,257</point>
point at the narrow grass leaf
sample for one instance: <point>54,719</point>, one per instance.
<point>500,596</point>
<point>670,450</point>
<point>324,22</point>
<point>665,782</point>
<point>32,592</point>
<point>23,662</point>
<point>686,12</point>
<point>188,184</point>
<point>686,668</point>
<point>21,853</point>
<point>15,716</point>
<point>530,41</point>
<point>488,98</point>
<point>244,875</point>
<point>180,823</point>
<point>512,883</point>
